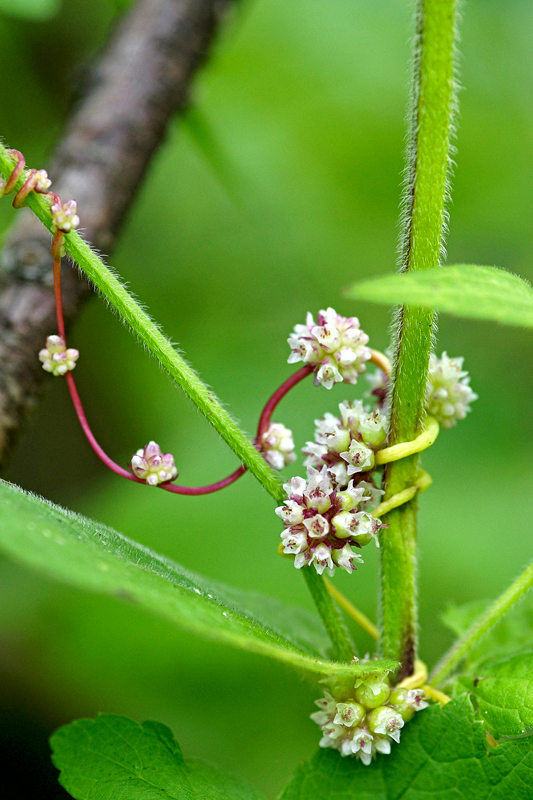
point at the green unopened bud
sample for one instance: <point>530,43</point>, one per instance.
<point>372,692</point>
<point>345,524</point>
<point>373,429</point>
<point>346,501</point>
<point>338,439</point>
<point>398,699</point>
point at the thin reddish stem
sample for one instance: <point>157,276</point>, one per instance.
<point>58,298</point>
<point>279,394</point>
<point>17,171</point>
<point>80,413</point>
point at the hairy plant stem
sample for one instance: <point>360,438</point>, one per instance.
<point>203,398</point>
<point>424,219</point>
<point>343,647</point>
<point>482,625</point>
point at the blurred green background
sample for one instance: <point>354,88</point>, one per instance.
<point>291,197</point>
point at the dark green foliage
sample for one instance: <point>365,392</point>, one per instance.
<point>113,758</point>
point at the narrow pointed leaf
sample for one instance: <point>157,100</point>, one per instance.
<point>112,757</point>
<point>84,553</point>
<point>464,290</point>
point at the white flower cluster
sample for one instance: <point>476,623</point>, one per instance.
<point>277,446</point>
<point>56,358</point>
<point>347,444</point>
<point>153,466</point>
<point>335,346</point>
<point>42,181</point>
<point>323,524</point>
<point>448,394</point>
<point>363,722</point>
<point>65,217</point>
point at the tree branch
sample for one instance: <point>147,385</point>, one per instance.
<point>140,80</point>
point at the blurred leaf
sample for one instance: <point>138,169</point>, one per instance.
<point>511,636</point>
<point>30,9</point>
<point>442,754</point>
<point>504,694</point>
<point>464,290</point>
<point>85,553</point>
<point>111,757</point>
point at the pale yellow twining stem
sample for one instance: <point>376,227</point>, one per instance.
<point>422,442</point>
<point>381,361</point>
<point>351,610</point>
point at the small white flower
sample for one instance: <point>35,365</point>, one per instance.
<point>415,698</point>
<point>385,721</point>
<point>335,346</point>
<point>448,393</point>
<point>346,558</point>
<point>291,513</point>
<point>349,714</point>
<point>42,181</point>
<point>322,560</point>
<point>65,217</point>
<point>373,428</point>
<point>153,466</point>
<point>359,457</point>
<point>277,446</point>
<point>56,358</point>
<point>317,526</point>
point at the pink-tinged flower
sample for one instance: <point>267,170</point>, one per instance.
<point>153,466</point>
<point>65,217</point>
<point>448,394</point>
<point>335,346</point>
<point>325,528</point>
<point>277,446</point>
<point>42,181</point>
<point>56,358</point>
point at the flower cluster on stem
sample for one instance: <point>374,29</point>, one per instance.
<point>364,720</point>
<point>335,346</point>
<point>448,393</point>
<point>323,524</point>
<point>56,357</point>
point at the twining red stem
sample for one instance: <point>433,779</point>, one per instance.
<point>80,413</point>
<point>264,420</point>
<point>279,394</point>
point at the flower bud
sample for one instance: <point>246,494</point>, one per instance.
<point>56,358</point>
<point>153,466</point>
<point>373,429</point>
<point>372,692</point>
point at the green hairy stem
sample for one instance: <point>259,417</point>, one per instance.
<point>482,625</point>
<point>149,332</point>
<point>433,104</point>
<point>177,367</point>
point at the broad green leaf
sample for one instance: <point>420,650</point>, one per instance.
<point>511,636</point>
<point>30,9</point>
<point>84,553</point>
<point>442,755</point>
<point>503,691</point>
<point>464,290</point>
<point>112,757</point>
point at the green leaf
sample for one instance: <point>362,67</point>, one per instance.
<point>464,290</point>
<point>112,757</point>
<point>84,553</point>
<point>442,756</point>
<point>503,691</point>
<point>30,9</point>
<point>511,636</point>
